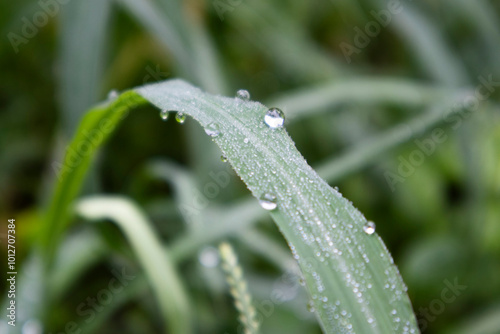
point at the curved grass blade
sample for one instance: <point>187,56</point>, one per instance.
<point>82,57</point>
<point>428,45</point>
<point>95,127</point>
<point>354,284</point>
<point>156,260</point>
<point>183,183</point>
<point>305,102</point>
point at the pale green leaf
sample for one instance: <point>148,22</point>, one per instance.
<point>155,259</point>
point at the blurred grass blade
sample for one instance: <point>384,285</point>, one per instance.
<point>283,41</point>
<point>189,44</point>
<point>305,102</point>
<point>354,284</point>
<point>373,148</point>
<point>29,296</point>
<point>166,31</point>
<point>484,322</point>
<point>428,45</point>
<point>75,256</point>
<point>82,52</point>
<point>95,128</point>
<point>157,263</point>
<point>184,186</point>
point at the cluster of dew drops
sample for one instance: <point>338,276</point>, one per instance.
<point>274,118</point>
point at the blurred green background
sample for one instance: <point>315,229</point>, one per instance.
<point>441,221</point>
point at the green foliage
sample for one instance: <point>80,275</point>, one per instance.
<point>356,122</point>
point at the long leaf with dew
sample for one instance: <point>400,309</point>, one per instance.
<point>353,282</point>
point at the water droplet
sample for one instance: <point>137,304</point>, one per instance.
<point>268,201</point>
<point>209,257</point>
<point>113,94</point>
<point>243,94</point>
<point>245,140</point>
<point>274,118</point>
<point>164,114</point>
<point>180,117</point>
<point>212,130</point>
<point>369,228</point>
<point>223,158</point>
<point>310,306</point>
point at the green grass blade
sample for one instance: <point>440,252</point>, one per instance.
<point>428,45</point>
<point>373,148</point>
<point>157,263</point>
<point>82,57</point>
<point>354,284</point>
<point>183,183</point>
<point>166,31</point>
<point>305,102</point>
<point>264,24</point>
<point>95,128</point>
<point>76,255</point>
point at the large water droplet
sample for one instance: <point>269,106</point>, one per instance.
<point>274,118</point>
<point>243,94</point>
<point>164,114</point>
<point>268,201</point>
<point>212,130</point>
<point>180,117</point>
<point>369,228</point>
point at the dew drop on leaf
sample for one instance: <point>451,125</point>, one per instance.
<point>274,118</point>
<point>310,306</point>
<point>223,158</point>
<point>369,228</point>
<point>268,201</point>
<point>180,117</point>
<point>164,114</point>
<point>212,130</point>
<point>243,94</point>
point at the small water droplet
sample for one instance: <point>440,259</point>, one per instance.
<point>212,130</point>
<point>369,228</point>
<point>223,158</point>
<point>180,117</point>
<point>164,114</point>
<point>243,94</point>
<point>310,306</point>
<point>268,201</point>
<point>274,118</point>
<point>113,94</point>
<point>245,140</point>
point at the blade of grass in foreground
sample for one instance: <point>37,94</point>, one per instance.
<point>350,275</point>
<point>157,263</point>
<point>352,280</point>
